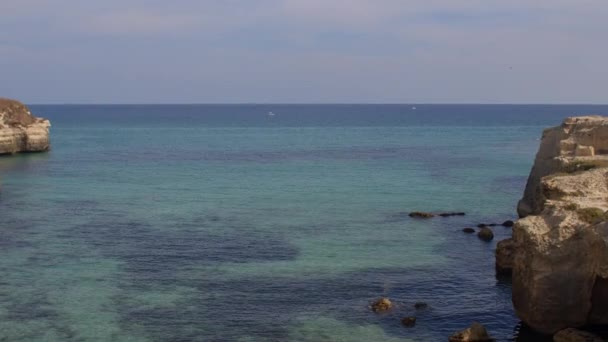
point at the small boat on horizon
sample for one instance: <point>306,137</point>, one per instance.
<point>270,114</point>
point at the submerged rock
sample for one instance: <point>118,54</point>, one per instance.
<point>560,246</point>
<point>485,234</point>
<point>420,214</point>
<point>504,257</point>
<point>451,214</point>
<point>481,225</point>
<point>475,333</point>
<point>575,335</point>
<point>408,321</point>
<point>508,223</point>
<point>421,305</point>
<point>382,305</point>
<point>20,131</point>
<point>469,230</point>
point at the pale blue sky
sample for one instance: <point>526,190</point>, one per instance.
<point>303,51</point>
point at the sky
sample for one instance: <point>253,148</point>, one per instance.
<point>304,51</point>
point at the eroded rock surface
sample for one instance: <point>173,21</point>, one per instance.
<point>578,144</point>
<point>560,247</point>
<point>20,131</point>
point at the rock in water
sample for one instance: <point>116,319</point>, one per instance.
<point>560,247</point>
<point>421,305</point>
<point>20,131</point>
<point>575,335</point>
<point>468,230</point>
<point>508,223</point>
<point>485,234</point>
<point>476,333</point>
<point>382,305</point>
<point>452,214</point>
<point>408,321</point>
<point>419,214</point>
<point>504,257</point>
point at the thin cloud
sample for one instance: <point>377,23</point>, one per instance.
<point>136,22</point>
<point>305,50</point>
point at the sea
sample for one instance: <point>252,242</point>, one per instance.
<point>263,222</point>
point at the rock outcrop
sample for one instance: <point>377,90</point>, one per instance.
<point>382,305</point>
<point>578,144</point>
<point>574,335</point>
<point>485,234</point>
<point>475,333</point>
<point>409,321</point>
<point>20,131</point>
<point>504,257</point>
<point>560,247</point>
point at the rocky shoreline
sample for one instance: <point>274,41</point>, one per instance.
<point>559,252</point>
<point>20,131</point>
<point>558,255</point>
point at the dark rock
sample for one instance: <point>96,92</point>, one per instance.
<point>469,230</point>
<point>420,305</point>
<point>504,257</point>
<point>599,302</point>
<point>492,225</point>
<point>575,335</point>
<point>481,225</point>
<point>508,223</point>
<point>451,214</point>
<point>408,321</point>
<point>382,305</point>
<point>485,234</point>
<point>476,333</point>
<point>419,214</point>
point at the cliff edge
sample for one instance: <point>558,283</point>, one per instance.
<point>560,246</point>
<point>20,131</point>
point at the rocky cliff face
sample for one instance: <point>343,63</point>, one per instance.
<point>20,131</point>
<point>560,247</point>
<point>579,143</point>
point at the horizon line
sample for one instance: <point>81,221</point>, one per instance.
<point>320,104</point>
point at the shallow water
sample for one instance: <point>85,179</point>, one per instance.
<point>220,223</point>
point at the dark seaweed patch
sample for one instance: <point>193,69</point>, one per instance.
<point>158,252</point>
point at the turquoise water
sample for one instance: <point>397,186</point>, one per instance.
<point>221,223</point>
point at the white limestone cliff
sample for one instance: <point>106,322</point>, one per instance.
<point>560,246</point>
<point>20,131</point>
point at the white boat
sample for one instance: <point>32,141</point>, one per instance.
<point>270,114</point>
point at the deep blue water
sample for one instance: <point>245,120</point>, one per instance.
<point>222,223</point>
